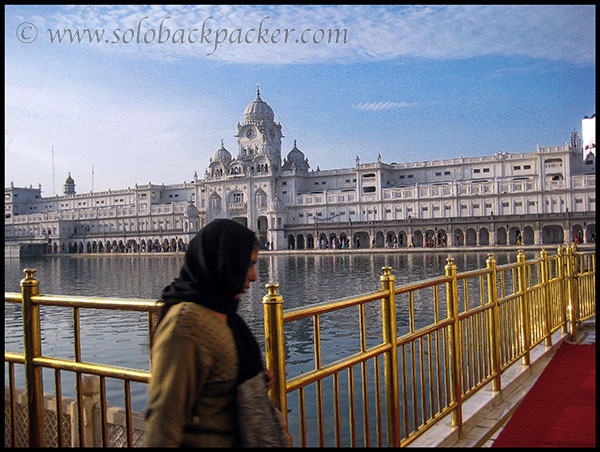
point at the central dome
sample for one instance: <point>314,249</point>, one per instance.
<point>258,110</point>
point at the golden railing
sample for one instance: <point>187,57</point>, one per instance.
<point>493,317</point>
<point>34,361</point>
<point>481,322</point>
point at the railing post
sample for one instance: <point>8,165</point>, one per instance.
<point>573,307</point>
<point>454,346</point>
<point>392,398</point>
<point>560,268</point>
<point>494,321</point>
<point>33,349</point>
<point>526,327</point>
<point>275,347</point>
<point>90,390</point>
<point>546,294</point>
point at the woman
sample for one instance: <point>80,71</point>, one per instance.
<point>203,351</point>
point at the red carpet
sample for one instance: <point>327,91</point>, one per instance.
<point>560,409</point>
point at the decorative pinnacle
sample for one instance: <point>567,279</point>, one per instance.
<point>258,89</point>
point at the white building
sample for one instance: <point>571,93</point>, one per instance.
<point>544,196</point>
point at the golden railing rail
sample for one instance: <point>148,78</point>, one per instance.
<point>479,323</point>
<point>493,317</point>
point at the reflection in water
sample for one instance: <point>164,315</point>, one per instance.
<point>120,338</point>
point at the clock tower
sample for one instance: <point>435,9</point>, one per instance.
<point>259,136</point>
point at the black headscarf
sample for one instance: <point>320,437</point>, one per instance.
<point>214,272</point>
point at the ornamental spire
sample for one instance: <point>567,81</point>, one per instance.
<point>257,89</point>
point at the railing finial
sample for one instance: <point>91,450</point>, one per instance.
<point>29,276</point>
<point>387,274</point>
<point>272,296</point>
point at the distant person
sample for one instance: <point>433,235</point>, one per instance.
<point>207,371</point>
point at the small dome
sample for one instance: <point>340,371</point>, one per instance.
<point>69,179</point>
<point>295,155</point>
<point>190,210</point>
<point>223,155</point>
<point>258,110</point>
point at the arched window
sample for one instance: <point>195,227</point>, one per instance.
<point>261,199</point>
<point>215,202</point>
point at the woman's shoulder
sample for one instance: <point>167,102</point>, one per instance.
<point>195,322</point>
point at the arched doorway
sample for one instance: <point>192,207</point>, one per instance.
<point>578,234</point>
<point>344,241</point>
<point>322,241</point>
<point>501,238</point>
<point>442,238</point>
<point>417,238</point>
<point>291,242</point>
<point>262,226</point>
<point>484,236</point>
<point>379,240</point>
<point>402,239</point>
<point>528,235</point>
<point>590,233</point>
<point>361,240</point>
<point>459,238</point>
<point>552,234</point>
<point>471,238</point>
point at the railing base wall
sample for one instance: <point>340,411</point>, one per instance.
<point>486,411</point>
<point>115,418</point>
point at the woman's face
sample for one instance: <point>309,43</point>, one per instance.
<point>251,275</point>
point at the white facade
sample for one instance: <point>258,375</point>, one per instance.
<point>546,195</point>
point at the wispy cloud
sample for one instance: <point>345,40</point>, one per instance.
<point>375,106</point>
<point>359,33</point>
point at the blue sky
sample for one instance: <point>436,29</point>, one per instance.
<point>411,83</point>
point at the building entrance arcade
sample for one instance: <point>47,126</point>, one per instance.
<point>442,234</point>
